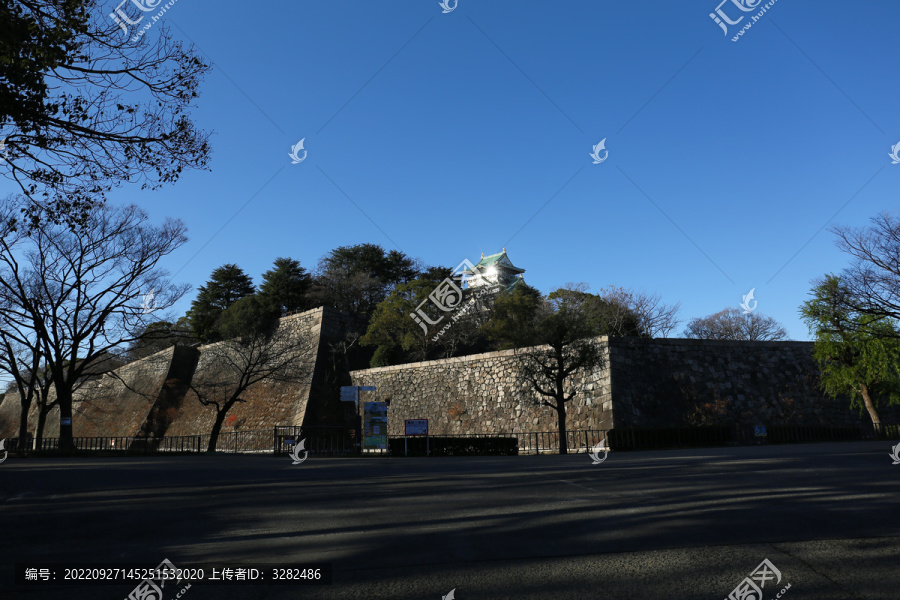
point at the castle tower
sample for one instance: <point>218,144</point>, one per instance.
<point>495,270</point>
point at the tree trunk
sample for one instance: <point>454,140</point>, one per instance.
<point>23,420</point>
<point>561,417</point>
<point>66,441</point>
<point>217,427</point>
<point>870,406</point>
<point>39,428</point>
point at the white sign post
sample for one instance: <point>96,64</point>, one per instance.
<point>350,393</point>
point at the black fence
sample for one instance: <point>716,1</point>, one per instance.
<point>323,441</point>
<point>341,441</point>
<point>231,441</point>
<point>545,442</point>
<point>318,441</point>
<point>641,438</point>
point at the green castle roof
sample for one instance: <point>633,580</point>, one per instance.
<point>487,261</point>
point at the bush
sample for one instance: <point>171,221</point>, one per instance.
<point>667,437</point>
<point>780,434</point>
<point>385,356</point>
<point>455,446</point>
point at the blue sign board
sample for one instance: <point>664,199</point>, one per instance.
<point>375,432</point>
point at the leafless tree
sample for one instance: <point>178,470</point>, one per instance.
<point>872,282</point>
<point>25,365</point>
<point>733,324</point>
<point>255,352</point>
<point>90,106</point>
<point>79,298</point>
<point>655,318</point>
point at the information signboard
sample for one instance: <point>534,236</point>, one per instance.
<point>416,426</point>
<point>375,432</point>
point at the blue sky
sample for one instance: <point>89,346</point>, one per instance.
<point>449,135</point>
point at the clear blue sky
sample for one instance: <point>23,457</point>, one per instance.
<point>449,135</point>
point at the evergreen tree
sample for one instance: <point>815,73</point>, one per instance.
<point>356,278</point>
<point>858,353</point>
<point>566,326</point>
<point>227,285</point>
<point>285,286</point>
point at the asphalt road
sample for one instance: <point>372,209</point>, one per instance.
<point>687,524</point>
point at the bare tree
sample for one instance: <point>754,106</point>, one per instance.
<point>79,298</point>
<point>655,318</point>
<point>89,106</point>
<point>257,349</point>
<point>733,324</point>
<point>872,282</point>
<point>30,379</point>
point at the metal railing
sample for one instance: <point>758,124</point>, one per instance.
<point>544,442</point>
<point>341,441</point>
<point>253,441</point>
<point>318,441</point>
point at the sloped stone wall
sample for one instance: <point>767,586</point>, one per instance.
<point>115,404</point>
<point>9,416</point>
<point>333,369</point>
<point>151,397</point>
<point>268,403</point>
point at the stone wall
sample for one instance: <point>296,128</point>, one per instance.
<point>479,394</point>
<point>152,397</point>
<point>645,383</point>
<point>663,382</point>
<point>9,416</point>
<point>267,403</point>
<point>115,404</point>
<point>333,365</point>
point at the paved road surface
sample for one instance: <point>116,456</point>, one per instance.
<point>688,524</point>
